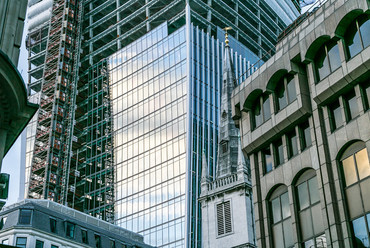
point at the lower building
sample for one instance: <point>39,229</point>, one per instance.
<point>43,223</point>
<point>304,121</point>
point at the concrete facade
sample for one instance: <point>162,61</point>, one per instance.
<point>310,114</point>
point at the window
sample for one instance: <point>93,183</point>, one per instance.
<point>335,115</point>
<point>261,111</point>
<point>267,159</point>
<point>39,244</point>
<point>25,216</point>
<point>21,242</point>
<point>356,171</point>
<point>292,141</point>
<point>97,241</point>
<point>357,36</point>
<point>285,92</point>
<point>112,243</point>
<point>5,241</point>
<point>365,94</point>
<point>279,152</point>
<point>84,236</point>
<point>53,225</point>
<point>54,246</point>
<point>281,223</point>
<point>327,60</point>
<point>309,211</point>
<point>351,105</point>
<point>224,224</point>
<point>2,222</point>
<point>70,230</point>
<point>305,135</point>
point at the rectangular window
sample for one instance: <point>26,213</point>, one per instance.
<point>5,242</point>
<point>97,241</point>
<point>53,225</point>
<point>39,244</point>
<point>224,224</point>
<point>21,242</point>
<point>112,243</point>
<point>267,160</point>
<point>84,236</point>
<point>54,246</point>
<point>365,94</point>
<point>279,152</point>
<point>351,105</point>
<point>70,230</point>
<point>335,114</point>
<point>292,143</point>
<point>25,216</point>
<point>305,135</point>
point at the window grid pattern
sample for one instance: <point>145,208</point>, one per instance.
<point>357,37</point>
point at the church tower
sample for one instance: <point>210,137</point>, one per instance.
<point>227,215</point>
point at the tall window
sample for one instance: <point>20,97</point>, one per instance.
<point>21,242</point>
<point>335,115</point>
<point>357,36</point>
<point>305,135</point>
<point>53,225</point>
<point>84,236</point>
<point>280,218</point>
<point>224,224</point>
<point>356,171</point>
<point>292,141</point>
<point>279,152</point>
<point>350,105</point>
<point>365,94</point>
<point>261,111</point>
<point>97,241</point>
<point>39,244</point>
<point>327,60</point>
<point>267,160</point>
<point>70,230</point>
<point>285,92</point>
<point>310,216</point>
<point>25,216</point>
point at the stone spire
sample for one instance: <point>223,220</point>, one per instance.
<point>228,134</point>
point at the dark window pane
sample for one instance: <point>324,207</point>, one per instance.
<point>112,244</point>
<point>313,190</point>
<point>360,233</point>
<point>266,108</point>
<point>365,31</point>
<point>292,144</point>
<point>334,57</point>
<point>279,152</point>
<point>322,64</point>
<point>281,95</point>
<point>336,115</point>
<point>303,196</point>
<point>257,114</point>
<point>285,207</point>
<point>21,242</point>
<point>292,93</point>
<point>267,160</point>
<point>97,241</point>
<point>365,90</point>
<point>276,210</point>
<point>39,244</point>
<point>352,40</point>
<point>351,105</point>
<point>70,230</point>
<point>84,237</point>
<point>25,216</point>
<point>54,246</point>
<point>306,135</point>
<point>53,225</point>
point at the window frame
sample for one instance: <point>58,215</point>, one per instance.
<point>347,109</point>
<point>283,84</point>
<point>355,24</point>
<point>39,242</point>
<point>82,236</point>
<point>261,99</point>
<point>19,238</point>
<point>326,50</point>
<point>230,216</point>
<point>302,135</point>
<point>21,217</point>
<point>53,220</point>
<point>97,240</point>
<point>331,109</point>
<point>263,158</point>
<point>288,137</point>
<point>277,158</point>
<point>66,229</point>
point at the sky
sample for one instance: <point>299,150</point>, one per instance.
<point>12,160</point>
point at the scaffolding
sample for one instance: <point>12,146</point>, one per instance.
<point>57,91</point>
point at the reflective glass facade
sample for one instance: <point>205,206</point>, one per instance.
<point>164,118</point>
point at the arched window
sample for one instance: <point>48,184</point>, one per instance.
<point>356,170</point>
<point>357,36</point>
<point>285,92</point>
<point>309,211</point>
<point>261,110</point>
<point>281,224</point>
<point>327,60</point>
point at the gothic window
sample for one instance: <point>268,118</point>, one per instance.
<point>357,36</point>
<point>309,211</point>
<point>224,223</point>
<point>261,110</point>
<point>285,92</point>
<point>281,223</point>
<point>356,171</point>
<point>327,60</point>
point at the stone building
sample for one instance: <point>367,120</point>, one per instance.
<point>43,223</point>
<point>226,204</point>
<point>305,125</point>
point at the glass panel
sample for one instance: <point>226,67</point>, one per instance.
<point>362,161</point>
<point>318,225</point>
<point>353,41</point>
<point>314,192</point>
<point>39,244</point>
<point>293,144</point>
<point>306,135</point>
<point>266,108</point>
<point>349,170</point>
<point>303,196</point>
<point>84,236</point>
<point>360,233</point>
<point>321,241</point>
<point>276,210</point>
<point>292,93</point>
<point>21,242</point>
<point>365,193</point>
<point>309,244</point>
<point>257,114</point>
<point>334,58</point>
<point>306,224</point>
<point>354,201</point>
<point>25,216</point>
<point>352,106</point>
<point>322,64</point>
<point>337,119</point>
<point>365,32</point>
<point>366,95</point>
<point>285,207</point>
<point>267,160</point>
<point>70,230</point>
<point>281,95</point>
<point>279,152</point>
<point>53,225</point>
<point>278,236</point>
<point>288,233</point>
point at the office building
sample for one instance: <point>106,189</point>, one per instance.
<point>83,172</point>
<point>304,121</point>
<point>43,223</point>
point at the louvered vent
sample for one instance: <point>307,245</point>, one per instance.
<point>224,224</point>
